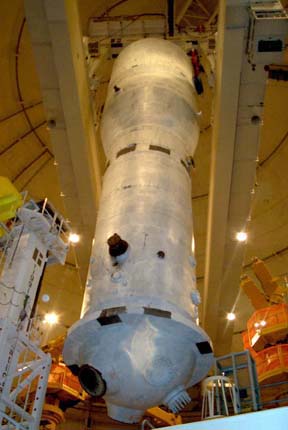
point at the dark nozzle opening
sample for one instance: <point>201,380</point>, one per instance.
<point>117,246</point>
<point>74,369</point>
<point>91,381</point>
<point>255,119</point>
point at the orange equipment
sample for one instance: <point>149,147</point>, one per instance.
<point>257,298</point>
<point>267,331</point>
<point>272,292</point>
<point>63,387</point>
<point>63,384</point>
<point>162,418</point>
<point>52,415</point>
<point>268,326</point>
<point>272,364</point>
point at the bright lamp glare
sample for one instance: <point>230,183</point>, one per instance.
<point>231,316</point>
<point>74,238</point>
<point>263,323</point>
<point>193,245</point>
<point>241,236</point>
<point>51,318</point>
<point>45,298</point>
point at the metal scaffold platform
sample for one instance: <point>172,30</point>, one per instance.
<point>32,236</point>
<point>240,368</point>
<point>24,371</point>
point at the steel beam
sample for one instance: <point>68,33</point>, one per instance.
<point>57,43</point>
<point>240,91</point>
<point>183,10</point>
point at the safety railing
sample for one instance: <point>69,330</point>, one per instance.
<point>272,363</point>
<point>24,371</point>
<point>269,323</point>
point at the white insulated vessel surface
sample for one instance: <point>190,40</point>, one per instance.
<point>138,324</point>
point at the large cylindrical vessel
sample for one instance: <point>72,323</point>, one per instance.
<point>137,343</point>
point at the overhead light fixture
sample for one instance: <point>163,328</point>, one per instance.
<point>51,318</point>
<point>193,245</point>
<point>74,237</point>
<point>241,236</point>
<point>231,316</point>
<point>262,323</point>
<point>45,298</point>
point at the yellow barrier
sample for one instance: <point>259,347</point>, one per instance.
<point>10,199</point>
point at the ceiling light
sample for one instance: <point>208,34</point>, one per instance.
<point>241,236</point>
<point>45,298</point>
<point>51,318</point>
<point>263,323</point>
<point>231,316</point>
<point>74,237</point>
<point>193,245</point>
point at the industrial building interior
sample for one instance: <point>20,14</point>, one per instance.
<point>56,62</point>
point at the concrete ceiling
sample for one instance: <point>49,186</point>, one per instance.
<point>28,159</point>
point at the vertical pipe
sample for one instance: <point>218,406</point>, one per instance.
<point>235,377</point>
<point>170,6</point>
<point>252,381</point>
